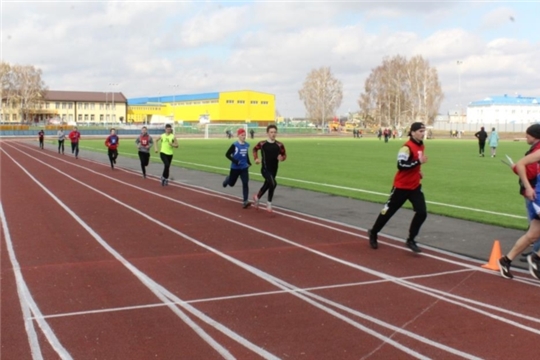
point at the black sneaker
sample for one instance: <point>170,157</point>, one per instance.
<point>372,240</point>
<point>411,244</point>
<point>533,261</point>
<point>225,182</point>
<point>163,181</point>
<point>504,267</point>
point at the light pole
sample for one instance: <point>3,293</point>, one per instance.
<point>459,63</point>
<point>174,86</point>
<point>113,116</point>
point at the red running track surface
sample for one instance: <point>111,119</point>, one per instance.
<point>111,265</point>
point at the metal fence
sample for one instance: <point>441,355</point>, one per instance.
<point>511,128</point>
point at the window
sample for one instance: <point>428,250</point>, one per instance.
<point>79,118</point>
<point>101,117</point>
<point>254,102</point>
<point>14,117</point>
<point>64,105</point>
<point>92,118</point>
<point>241,102</point>
<point>230,101</point>
<point>85,106</point>
<point>86,117</point>
<point>79,106</point>
<point>47,105</point>
<point>101,106</point>
<point>57,105</point>
<point>70,105</point>
<point>92,106</point>
<point>70,117</point>
<point>264,102</point>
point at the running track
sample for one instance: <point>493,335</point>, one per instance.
<point>102,264</point>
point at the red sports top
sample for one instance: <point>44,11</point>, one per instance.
<point>408,176</point>
<point>74,136</point>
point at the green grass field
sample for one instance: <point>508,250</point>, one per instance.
<point>457,182</point>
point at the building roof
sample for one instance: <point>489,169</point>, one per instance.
<point>506,100</point>
<point>173,98</point>
<point>54,95</point>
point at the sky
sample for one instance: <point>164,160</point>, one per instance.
<point>152,48</point>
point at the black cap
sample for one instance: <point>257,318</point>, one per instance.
<point>417,126</point>
<point>534,131</point>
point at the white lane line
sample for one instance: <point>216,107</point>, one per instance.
<point>28,305</point>
<point>271,279</point>
<point>249,295</point>
<point>153,286</point>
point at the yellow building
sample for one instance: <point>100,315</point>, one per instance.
<point>218,107</point>
<point>70,107</point>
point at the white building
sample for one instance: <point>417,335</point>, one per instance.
<point>504,110</point>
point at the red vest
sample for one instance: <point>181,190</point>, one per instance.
<point>409,179</point>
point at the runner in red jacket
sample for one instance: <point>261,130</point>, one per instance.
<point>112,143</point>
<point>406,187</point>
<point>75,136</point>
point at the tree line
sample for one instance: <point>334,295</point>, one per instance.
<point>396,93</point>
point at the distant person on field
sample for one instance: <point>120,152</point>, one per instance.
<point>238,154</point>
<point>41,137</point>
<point>112,143</point>
<point>144,143</point>
<point>61,137</point>
<point>252,133</point>
<point>481,136</point>
<point>406,186</point>
<point>272,153</point>
<point>74,137</point>
<point>168,143</point>
<point>527,169</point>
<point>493,142</point>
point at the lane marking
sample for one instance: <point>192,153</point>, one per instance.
<point>278,282</point>
<point>153,286</point>
<point>28,305</point>
<point>249,295</point>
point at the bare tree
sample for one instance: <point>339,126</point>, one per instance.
<point>322,94</point>
<point>29,88</point>
<point>399,92</point>
<point>6,87</point>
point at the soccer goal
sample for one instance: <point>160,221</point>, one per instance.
<point>214,131</point>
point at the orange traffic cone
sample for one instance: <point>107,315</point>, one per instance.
<point>496,254</point>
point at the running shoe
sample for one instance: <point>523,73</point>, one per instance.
<point>162,181</point>
<point>256,201</point>
<point>533,261</point>
<point>372,239</point>
<point>246,204</point>
<point>269,207</point>
<point>226,181</point>
<point>411,244</point>
<point>504,267</point>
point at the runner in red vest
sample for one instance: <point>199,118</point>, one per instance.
<point>144,143</point>
<point>406,187</point>
<point>112,143</point>
<point>75,136</point>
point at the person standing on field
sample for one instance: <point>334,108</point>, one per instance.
<point>481,136</point>
<point>238,154</point>
<point>406,186</point>
<point>144,143</point>
<point>272,152</point>
<point>75,136</point>
<point>168,143</point>
<point>493,142</point>
<point>61,137</point>
<point>112,143</point>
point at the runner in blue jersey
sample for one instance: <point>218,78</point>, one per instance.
<point>238,154</point>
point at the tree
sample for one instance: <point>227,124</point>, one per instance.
<point>29,88</point>
<point>399,92</point>
<point>322,95</point>
<point>6,87</point>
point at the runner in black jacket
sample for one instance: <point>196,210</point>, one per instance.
<point>482,135</point>
<point>272,152</point>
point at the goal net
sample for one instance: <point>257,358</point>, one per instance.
<point>213,131</point>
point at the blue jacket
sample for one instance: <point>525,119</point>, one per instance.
<point>238,154</point>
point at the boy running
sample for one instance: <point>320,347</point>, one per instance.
<point>61,137</point>
<point>75,136</point>
<point>41,136</point>
<point>272,152</point>
<point>112,143</point>
<point>144,143</point>
<point>406,187</point>
<point>168,143</point>
<point>239,156</point>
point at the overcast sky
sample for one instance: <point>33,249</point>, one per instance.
<point>164,47</point>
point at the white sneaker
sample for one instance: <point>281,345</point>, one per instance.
<point>269,207</point>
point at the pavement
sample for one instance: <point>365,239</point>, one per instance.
<point>467,238</point>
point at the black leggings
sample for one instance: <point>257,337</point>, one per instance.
<point>113,154</point>
<point>75,148</point>
<point>396,201</point>
<point>41,143</point>
<point>481,146</point>
<point>167,160</point>
<point>269,183</point>
<point>60,146</point>
<point>144,157</point>
<point>244,176</point>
